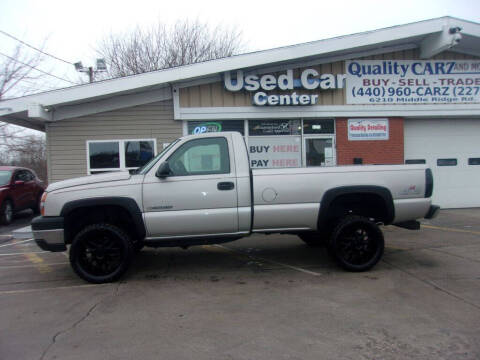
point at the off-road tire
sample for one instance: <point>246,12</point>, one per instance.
<point>356,243</point>
<point>88,253</point>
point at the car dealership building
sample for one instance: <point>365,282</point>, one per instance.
<point>405,94</point>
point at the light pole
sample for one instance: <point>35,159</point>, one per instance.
<point>101,67</point>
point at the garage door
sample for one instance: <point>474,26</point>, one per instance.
<point>451,148</point>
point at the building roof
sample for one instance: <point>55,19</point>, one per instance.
<point>34,110</point>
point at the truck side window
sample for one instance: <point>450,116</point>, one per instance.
<point>22,175</point>
<point>201,157</point>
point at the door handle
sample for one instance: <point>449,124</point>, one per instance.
<point>227,185</point>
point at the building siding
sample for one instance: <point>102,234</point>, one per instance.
<point>215,95</point>
<point>66,139</point>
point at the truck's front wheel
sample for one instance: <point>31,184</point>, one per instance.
<point>101,253</point>
<point>356,243</point>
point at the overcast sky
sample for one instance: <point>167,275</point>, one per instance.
<point>71,29</point>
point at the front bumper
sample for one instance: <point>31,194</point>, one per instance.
<point>432,212</point>
<point>48,233</point>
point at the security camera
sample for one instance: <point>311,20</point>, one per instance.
<point>455,30</point>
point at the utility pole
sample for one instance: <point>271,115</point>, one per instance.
<point>90,74</point>
<point>101,67</point>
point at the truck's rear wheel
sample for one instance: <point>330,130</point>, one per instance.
<point>356,243</point>
<point>101,253</point>
<point>312,239</point>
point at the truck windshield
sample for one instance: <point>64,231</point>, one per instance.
<point>5,177</point>
<point>146,168</point>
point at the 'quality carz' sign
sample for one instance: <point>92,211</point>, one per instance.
<point>412,81</point>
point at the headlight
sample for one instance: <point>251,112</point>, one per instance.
<point>42,203</point>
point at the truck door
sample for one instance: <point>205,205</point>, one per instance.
<point>199,197</point>
<point>22,190</point>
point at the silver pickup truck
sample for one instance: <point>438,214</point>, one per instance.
<point>201,190</point>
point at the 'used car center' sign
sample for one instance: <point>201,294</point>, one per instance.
<point>310,79</point>
<point>369,82</point>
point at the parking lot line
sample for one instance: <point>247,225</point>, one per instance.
<point>29,266</point>
<point>450,229</point>
<point>236,252</point>
<point>23,253</point>
<point>15,243</point>
<point>22,291</point>
<point>38,262</point>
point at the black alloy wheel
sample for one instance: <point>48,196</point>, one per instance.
<point>357,243</point>
<point>101,253</point>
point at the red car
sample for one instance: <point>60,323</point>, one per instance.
<point>20,189</point>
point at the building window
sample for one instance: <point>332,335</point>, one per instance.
<point>474,161</point>
<point>104,155</point>
<point>200,127</point>
<point>138,153</point>
<point>415,161</point>
<point>116,155</point>
<point>274,127</point>
<point>446,162</point>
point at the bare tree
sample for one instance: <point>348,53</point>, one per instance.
<point>26,151</point>
<point>17,78</point>
<point>17,72</point>
<point>161,47</point>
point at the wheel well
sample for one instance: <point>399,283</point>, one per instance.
<point>116,215</point>
<point>370,205</point>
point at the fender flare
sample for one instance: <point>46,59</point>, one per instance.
<point>331,194</point>
<point>126,203</point>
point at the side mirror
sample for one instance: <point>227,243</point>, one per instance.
<point>163,171</point>
<point>19,182</point>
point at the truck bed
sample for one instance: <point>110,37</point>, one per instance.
<point>293,195</point>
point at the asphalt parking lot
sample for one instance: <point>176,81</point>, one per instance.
<point>264,297</point>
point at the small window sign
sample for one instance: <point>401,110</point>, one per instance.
<point>318,126</point>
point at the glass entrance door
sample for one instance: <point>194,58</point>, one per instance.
<point>319,151</point>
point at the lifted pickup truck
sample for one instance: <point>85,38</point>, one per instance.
<point>201,190</point>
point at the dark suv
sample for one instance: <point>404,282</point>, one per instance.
<point>20,189</point>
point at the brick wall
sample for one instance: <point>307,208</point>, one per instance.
<point>372,152</point>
